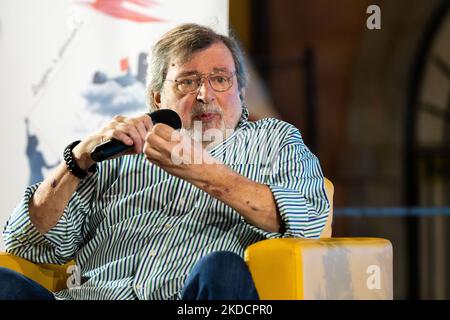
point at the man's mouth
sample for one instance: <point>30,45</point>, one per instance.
<point>206,116</point>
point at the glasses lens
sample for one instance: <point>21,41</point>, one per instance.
<point>188,84</point>
<point>220,82</point>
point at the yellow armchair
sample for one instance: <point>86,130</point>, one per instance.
<point>53,277</point>
<point>327,268</point>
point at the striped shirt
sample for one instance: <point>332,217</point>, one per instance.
<point>136,231</point>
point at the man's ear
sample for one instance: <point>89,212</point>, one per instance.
<point>242,95</point>
<point>156,97</point>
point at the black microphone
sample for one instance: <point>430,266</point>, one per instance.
<point>113,147</point>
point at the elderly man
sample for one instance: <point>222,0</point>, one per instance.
<point>171,218</point>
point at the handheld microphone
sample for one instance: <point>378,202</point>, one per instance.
<point>113,147</point>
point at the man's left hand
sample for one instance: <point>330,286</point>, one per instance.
<point>176,152</point>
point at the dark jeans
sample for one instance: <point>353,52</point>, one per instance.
<point>14,286</point>
<point>218,276</point>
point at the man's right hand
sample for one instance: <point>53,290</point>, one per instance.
<point>48,202</point>
<point>130,131</point>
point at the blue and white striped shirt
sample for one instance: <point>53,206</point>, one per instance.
<point>136,231</point>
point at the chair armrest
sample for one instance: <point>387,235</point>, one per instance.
<point>334,268</point>
<point>53,277</point>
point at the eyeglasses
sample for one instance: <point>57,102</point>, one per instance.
<point>219,81</point>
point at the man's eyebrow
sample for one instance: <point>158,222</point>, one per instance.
<point>187,73</point>
<point>195,72</point>
<point>220,69</point>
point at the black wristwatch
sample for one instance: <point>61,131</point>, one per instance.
<point>72,164</point>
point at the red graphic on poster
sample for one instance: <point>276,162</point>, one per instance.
<point>134,10</point>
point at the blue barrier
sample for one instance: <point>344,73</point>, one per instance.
<point>391,211</point>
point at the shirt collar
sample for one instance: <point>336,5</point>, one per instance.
<point>244,117</point>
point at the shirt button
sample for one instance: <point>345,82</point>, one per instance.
<point>152,253</point>
<point>182,200</point>
<point>168,226</point>
<point>138,286</point>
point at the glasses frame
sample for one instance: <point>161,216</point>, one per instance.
<point>229,78</point>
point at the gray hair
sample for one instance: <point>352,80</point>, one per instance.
<point>181,43</point>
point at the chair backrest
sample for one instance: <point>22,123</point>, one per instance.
<point>329,190</point>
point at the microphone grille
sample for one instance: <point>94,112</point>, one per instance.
<point>166,116</point>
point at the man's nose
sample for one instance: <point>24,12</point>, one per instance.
<point>205,92</point>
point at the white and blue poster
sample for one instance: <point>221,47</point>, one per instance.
<point>67,67</point>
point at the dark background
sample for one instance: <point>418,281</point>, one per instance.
<point>374,106</point>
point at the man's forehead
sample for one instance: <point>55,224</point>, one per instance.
<point>216,57</point>
<point>190,71</point>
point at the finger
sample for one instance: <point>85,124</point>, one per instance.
<point>163,130</point>
<point>115,121</point>
<point>152,154</point>
<point>141,129</point>
<point>121,136</point>
<point>155,141</point>
<point>148,123</point>
<point>176,136</point>
<point>119,118</point>
<point>133,133</point>
<point>145,119</point>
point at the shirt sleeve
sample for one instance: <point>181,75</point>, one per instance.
<point>60,243</point>
<point>297,184</point>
